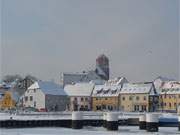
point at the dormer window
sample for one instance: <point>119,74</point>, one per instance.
<point>114,91</point>
<point>99,91</point>
<point>106,91</point>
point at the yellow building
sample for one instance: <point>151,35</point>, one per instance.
<point>105,97</point>
<point>170,96</point>
<point>7,101</point>
<point>138,97</point>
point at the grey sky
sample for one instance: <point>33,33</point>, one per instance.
<point>48,37</point>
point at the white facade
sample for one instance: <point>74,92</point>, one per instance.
<point>34,98</point>
<point>45,96</point>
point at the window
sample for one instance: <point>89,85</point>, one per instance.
<point>169,104</point>
<point>31,98</point>
<point>82,99</point>
<point>98,107</point>
<point>137,98</point>
<point>104,107</point>
<point>143,107</point>
<point>123,98</point>
<point>106,99</point>
<point>175,104</point>
<point>144,97</point>
<point>34,103</point>
<point>96,98</point>
<point>26,98</point>
<point>75,99</point>
<point>86,99</point>
<point>34,90</point>
<point>130,98</point>
<point>179,96</point>
<point>136,108</point>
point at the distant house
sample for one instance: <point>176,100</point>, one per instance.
<point>138,97</point>
<point>8,99</point>
<point>80,96</point>
<point>44,95</point>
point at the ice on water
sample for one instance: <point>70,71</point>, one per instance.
<point>123,130</point>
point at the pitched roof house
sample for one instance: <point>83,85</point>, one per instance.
<point>45,95</point>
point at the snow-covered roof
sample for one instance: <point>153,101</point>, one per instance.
<point>117,81</point>
<point>171,87</point>
<point>171,91</point>
<point>49,88</point>
<point>159,81</point>
<point>79,89</point>
<point>164,79</point>
<point>106,90</point>
<point>98,82</point>
<point>139,88</point>
<point>69,78</point>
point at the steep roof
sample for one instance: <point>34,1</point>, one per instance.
<point>69,78</point>
<point>49,88</point>
<point>106,90</point>
<point>139,88</point>
<point>79,89</point>
<point>171,87</point>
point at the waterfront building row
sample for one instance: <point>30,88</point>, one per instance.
<point>114,95</point>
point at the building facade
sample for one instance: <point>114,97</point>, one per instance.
<point>105,97</point>
<point>170,96</point>
<point>138,97</point>
<point>80,96</point>
<point>45,96</point>
<point>8,100</point>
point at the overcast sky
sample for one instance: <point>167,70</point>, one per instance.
<point>47,37</point>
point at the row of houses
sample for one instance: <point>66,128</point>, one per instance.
<point>113,95</point>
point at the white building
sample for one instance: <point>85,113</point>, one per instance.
<point>80,96</point>
<point>44,95</point>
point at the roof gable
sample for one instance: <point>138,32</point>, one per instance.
<point>48,87</point>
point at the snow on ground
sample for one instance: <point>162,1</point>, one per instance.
<point>123,130</point>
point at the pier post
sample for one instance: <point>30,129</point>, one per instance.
<point>104,120</point>
<point>179,123</point>
<point>112,121</point>
<point>152,122</point>
<point>77,120</point>
<point>142,122</point>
